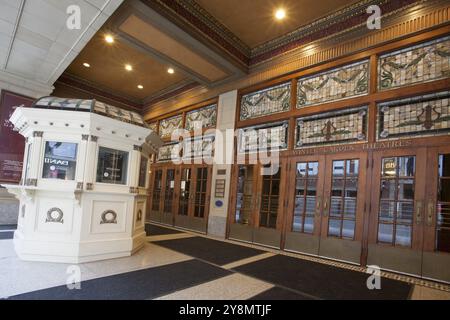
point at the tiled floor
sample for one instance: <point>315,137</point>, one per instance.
<point>20,277</point>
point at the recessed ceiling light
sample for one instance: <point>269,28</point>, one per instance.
<point>87,65</point>
<point>109,38</point>
<point>140,86</point>
<point>280,14</point>
<point>171,71</point>
<point>128,67</point>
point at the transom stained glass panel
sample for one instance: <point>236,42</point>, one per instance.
<point>153,126</point>
<point>425,62</point>
<point>200,147</point>
<point>336,84</point>
<point>263,137</point>
<point>419,116</point>
<point>169,125</point>
<point>168,152</point>
<point>265,102</point>
<point>332,127</point>
<point>202,118</point>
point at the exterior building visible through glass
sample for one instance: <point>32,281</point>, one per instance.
<point>60,160</point>
<point>169,190</point>
<point>270,194</point>
<point>156,192</point>
<point>185,191</point>
<point>244,202</point>
<point>443,205</point>
<point>344,193</point>
<point>305,196</point>
<point>112,166</point>
<point>395,219</point>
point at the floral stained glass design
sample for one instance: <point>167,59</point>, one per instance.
<point>263,137</point>
<point>332,127</point>
<point>204,118</point>
<point>265,102</point>
<point>168,152</point>
<point>336,84</point>
<point>200,147</point>
<point>421,63</point>
<point>169,125</point>
<point>418,116</point>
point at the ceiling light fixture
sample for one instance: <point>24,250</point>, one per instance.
<point>128,67</point>
<point>171,71</point>
<point>280,14</point>
<point>109,38</point>
<point>87,65</point>
<point>140,86</point>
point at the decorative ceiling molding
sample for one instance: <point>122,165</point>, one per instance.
<point>189,13</point>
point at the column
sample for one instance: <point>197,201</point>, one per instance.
<point>223,159</point>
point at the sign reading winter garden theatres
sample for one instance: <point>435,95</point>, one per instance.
<point>12,144</point>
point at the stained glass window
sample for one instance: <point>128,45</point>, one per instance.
<point>332,127</point>
<point>336,84</point>
<point>265,102</point>
<point>168,152</point>
<point>425,62</point>
<point>202,118</point>
<point>417,116</point>
<point>153,126</point>
<point>199,147</point>
<point>169,125</point>
<point>263,137</point>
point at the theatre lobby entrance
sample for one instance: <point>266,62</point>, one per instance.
<point>224,150</point>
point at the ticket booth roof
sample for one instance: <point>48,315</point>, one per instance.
<point>92,105</point>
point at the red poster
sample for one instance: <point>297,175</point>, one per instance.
<point>12,144</point>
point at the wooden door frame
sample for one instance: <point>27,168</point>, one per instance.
<point>419,194</point>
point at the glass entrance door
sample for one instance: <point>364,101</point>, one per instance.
<point>156,191</point>
<point>168,203</point>
<point>305,204</point>
<point>194,195</point>
<point>258,203</point>
<point>436,220</point>
<point>395,239</point>
<point>327,206</point>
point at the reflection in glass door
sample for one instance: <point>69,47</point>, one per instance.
<point>245,194</point>
<point>155,213</point>
<point>270,196</point>
<point>185,189</point>
<point>443,205</point>
<point>201,192</point>
<point>169,194</point>
<point>395,216</point>
<point>343,200</point>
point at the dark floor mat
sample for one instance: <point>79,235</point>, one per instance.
<point>322,281</point>
<point>277,293</point>
<point>153,230</point>
<point>4,235</point>
<point>137,285</point>
<point>217,252</point>
<point>8,226</point>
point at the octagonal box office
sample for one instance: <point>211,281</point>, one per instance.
<point>84,182</point>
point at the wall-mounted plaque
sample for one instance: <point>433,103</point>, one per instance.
<point>220,188</point>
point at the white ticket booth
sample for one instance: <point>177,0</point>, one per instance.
<point>85,180</point>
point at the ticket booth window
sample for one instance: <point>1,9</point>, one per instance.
<point>59,160</point>
<point>112,166</point>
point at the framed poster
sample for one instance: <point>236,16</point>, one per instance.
<point>12,144</point>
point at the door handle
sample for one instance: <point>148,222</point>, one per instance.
<point>319,200</point>
<point>419,205</point>
<point>430,214</point>
<point>325,208</point>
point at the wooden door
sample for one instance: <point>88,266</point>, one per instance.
<point>305,200</point>
<point>436,215</point>
<point>395,239</point>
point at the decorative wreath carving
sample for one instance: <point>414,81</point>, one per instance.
<point>139,215</point>
<point>55,215</point>
<point>109,216</point>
